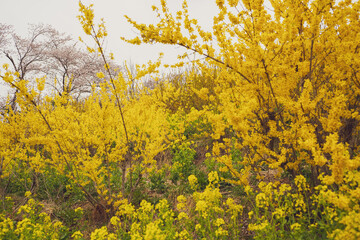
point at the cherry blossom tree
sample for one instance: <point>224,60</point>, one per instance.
<point>69,68</point>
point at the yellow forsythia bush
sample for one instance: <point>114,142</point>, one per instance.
<point>272,110</point>
<point>288,88</point>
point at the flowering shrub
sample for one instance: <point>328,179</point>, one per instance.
<point>275,103</point>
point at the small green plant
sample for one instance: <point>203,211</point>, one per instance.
<point>7,204</point>
<point>70,217</point>
<point>157,181</point>
<point>197,128</point>
<point>183,163</point>
<point>52,185</point>
<point>19,180</point>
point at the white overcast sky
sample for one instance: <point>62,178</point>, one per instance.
<point>61,14</point>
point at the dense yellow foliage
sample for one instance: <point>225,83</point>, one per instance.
<point>280,84</point>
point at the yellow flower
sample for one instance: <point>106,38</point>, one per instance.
<point>77,235</point>
<point>197,227</point>
<point>219,222</point>
<point>258,227</point>
<point>220,3</point>
<point>153,232</point>
<point>284,188</point>
<point>27,194</point>
<point>251,214</point>
<point>295,226</point>
<point>183,235</point>
<point>90,50</point>
<point>40,83</point>
<point>213,177</point>
<point>5,66</point>
<point>79,210</point>
<point>221,232</point>
<point>181,202</point>
<point>114,221</point>
<point>278,213</point>
<point>193,182</point>
<point>233,3</point>
<point>182,215</point>
<point>248,190</point>
<point>100,75</point>
<point>234,208</point>
<point>261,200</point>
<point>202,207</point>
<point>301,184</point>
<point>125,208</point>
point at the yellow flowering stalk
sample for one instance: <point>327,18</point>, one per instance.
<point>31,224</point>
<point>193,181</point>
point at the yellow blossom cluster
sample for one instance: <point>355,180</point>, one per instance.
<point>273,105</point>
